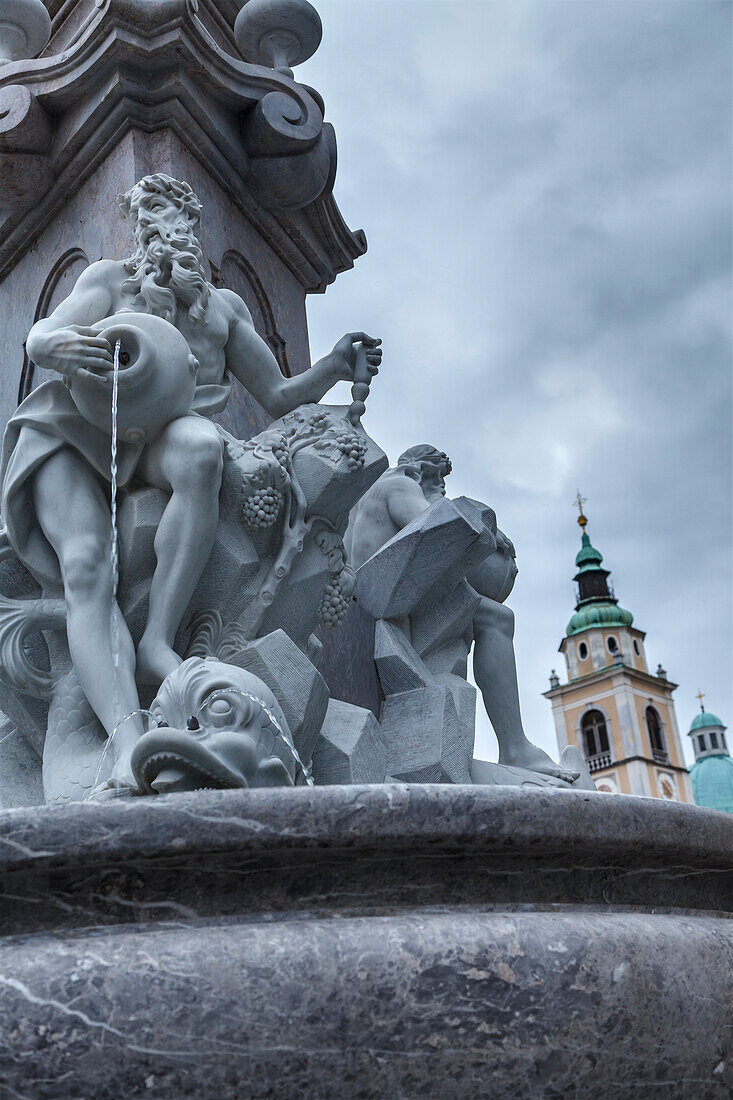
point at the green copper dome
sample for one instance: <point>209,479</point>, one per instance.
<point>705,718</point>
<point>712,780</point>
<point>588,557</point>
<point>600,613</point>
<point>596,604</point>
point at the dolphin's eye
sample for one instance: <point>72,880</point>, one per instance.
<point>227,708</point>
<point>220,707</point>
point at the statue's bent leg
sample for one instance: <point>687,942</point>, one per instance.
<point>75,518</point>
<point>495,672</point>
<point>185,460</point>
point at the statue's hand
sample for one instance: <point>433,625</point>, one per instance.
<point>71,350</point>
<point>344,354</point>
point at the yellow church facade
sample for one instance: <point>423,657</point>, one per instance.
<point>620,716</point>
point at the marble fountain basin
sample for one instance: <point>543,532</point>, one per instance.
<point>387,941</point>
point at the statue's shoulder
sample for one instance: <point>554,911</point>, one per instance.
<point>396,484</point>
<point>385,480</point>
<point>401,479</point>
<point>103,273</point>
<point>377,495</point>
<point>232,302</point>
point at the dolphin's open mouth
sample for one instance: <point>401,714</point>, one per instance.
<point>168,749</point>
<point>168,759</point>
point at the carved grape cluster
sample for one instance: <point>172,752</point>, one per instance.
<point>262,508</point>
<point>334,605</point>
<point>279,448</point>
<point>353,450</point>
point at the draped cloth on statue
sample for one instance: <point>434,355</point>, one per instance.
<point>45,422</point>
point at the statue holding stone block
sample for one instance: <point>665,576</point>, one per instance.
<point>435,573</point>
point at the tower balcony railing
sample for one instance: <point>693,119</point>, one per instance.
<point>600,760</point>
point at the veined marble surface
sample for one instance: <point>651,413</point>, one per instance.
<point>368,942</point>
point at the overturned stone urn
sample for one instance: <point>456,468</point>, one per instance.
<point>400,940</point>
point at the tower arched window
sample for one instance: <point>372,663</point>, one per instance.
<point>595,740</point>
<point>656,734</point>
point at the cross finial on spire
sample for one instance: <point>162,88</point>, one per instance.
<point>701,695</point>
<point>579,502</point>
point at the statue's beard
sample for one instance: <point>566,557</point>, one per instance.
<point>167,270</point>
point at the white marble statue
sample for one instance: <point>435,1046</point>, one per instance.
<point>395,504</point>
<point>56,465</point>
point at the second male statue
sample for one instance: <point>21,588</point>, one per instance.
<point>447,593</point>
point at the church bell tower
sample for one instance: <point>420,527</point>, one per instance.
<point>612,708</point>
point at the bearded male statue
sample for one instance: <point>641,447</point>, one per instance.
<point>56,464</point>
<point>400,496</point>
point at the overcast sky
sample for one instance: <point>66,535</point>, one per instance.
<point>545,188</point>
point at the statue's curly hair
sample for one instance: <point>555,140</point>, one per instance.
<point>168,264</point>
<point>425,454</point>
<point>161,184</point>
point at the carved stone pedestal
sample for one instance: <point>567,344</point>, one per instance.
<point>366,942</point>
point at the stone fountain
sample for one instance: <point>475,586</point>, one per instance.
<point>245,847</point>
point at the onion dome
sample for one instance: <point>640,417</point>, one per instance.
<point>597,605</point>
<point>598,614</point>
<point>588,557</point>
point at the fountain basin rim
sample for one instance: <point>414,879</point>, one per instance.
<point>589,828</point>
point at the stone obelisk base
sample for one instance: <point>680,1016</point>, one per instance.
<point>366,942</point>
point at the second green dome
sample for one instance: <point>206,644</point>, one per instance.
<point>705,718</point>
<point>598,614</point>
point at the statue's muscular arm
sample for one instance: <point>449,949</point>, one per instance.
<point>250,360</point>
<point>64,341</point>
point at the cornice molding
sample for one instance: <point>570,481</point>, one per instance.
<point>606,674</point>
<point>644,760</point>
<point>152,65</point>
<point>599,629</point>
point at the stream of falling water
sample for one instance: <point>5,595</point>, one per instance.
<point>114,613</point>
<point>114,549</point>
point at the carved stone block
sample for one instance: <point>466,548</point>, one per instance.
<point>297,606</point>
<point>295,682</point>
<point>398,665</point>
<point>335,489</point>
<point>464,697</point>
<point>351,747</point>
<point>426,741</point>
<point>442,617</point>
<point>451,657</point>
<point>422,556</point>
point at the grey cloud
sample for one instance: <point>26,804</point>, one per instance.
<point>546,192</point>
